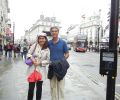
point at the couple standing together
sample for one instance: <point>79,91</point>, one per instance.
<point>46,51</point>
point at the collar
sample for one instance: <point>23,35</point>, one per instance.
<point>56,41</point>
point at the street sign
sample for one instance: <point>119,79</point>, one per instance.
<point>108,62</point>
<point>108,57</point>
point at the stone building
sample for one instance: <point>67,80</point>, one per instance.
<point>92,27</point>
<point>41,25</point>
<point>5,23</point>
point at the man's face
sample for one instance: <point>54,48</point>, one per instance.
<point>54,32</point>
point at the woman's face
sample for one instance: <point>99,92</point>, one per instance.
<point>41,40</point>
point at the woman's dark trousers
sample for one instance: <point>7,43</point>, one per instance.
<point>38,90</point>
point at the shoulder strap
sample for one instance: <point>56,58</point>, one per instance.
<point>34,48</point>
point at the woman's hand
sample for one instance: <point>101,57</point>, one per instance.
<point>33,60</point>
<point>36,63</point>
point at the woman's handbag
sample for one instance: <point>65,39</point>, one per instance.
<point>28,61</point>
<point>35,76</point>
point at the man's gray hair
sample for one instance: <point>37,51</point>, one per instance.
<point>54,27</point>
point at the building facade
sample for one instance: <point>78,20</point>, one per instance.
<point>92,28</point>
<point>72,32</point>
<point>5,23</point>
<point>107,27</point>
<point>41,25</point>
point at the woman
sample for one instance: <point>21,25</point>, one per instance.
<point>41,52</point>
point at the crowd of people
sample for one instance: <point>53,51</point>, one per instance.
<point>13,50</point>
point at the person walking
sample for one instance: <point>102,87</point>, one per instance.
<point>18,49</point>
<point>58,50</point>
<point>21,52</point>
<point>15,50</point>
<point>1,50</point>
<point>5,49</point>
<point>41,53</point>
<point>9,49</point>
<point>24,52</point>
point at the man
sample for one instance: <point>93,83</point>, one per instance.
<point>24,52</point>
<point>58,50</point>
<point>5,49</point>
<point>9,49</point>
<point>1,50</point>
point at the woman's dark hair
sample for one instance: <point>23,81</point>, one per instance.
<point>46,42</point>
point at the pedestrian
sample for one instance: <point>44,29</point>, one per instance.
<point>1,50</point>
<point>15,50</point>
<point>58,50</point>
<point>9,49</point>
<point>89,48</point>
<point>5,49</point>
<point>24,51</point>
<point>21,51</point>
<point>18,49</point>
<point>42,55</point>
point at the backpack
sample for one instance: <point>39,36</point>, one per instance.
<point>25,49</point>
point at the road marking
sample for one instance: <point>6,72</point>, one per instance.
<point>117,96</point>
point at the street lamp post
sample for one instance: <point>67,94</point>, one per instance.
<point>98,37</point>
<point>13,31</point>
<point>13,36</point>
<point>111,80</point>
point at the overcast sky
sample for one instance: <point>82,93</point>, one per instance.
<point>25,12</point>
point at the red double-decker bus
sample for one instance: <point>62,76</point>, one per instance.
<point>80,43</point>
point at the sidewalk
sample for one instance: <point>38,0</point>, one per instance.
<point>13,84</point>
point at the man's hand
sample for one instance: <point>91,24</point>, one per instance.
<point>66,55</point>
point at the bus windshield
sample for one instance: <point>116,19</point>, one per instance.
<point>80,44</point>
